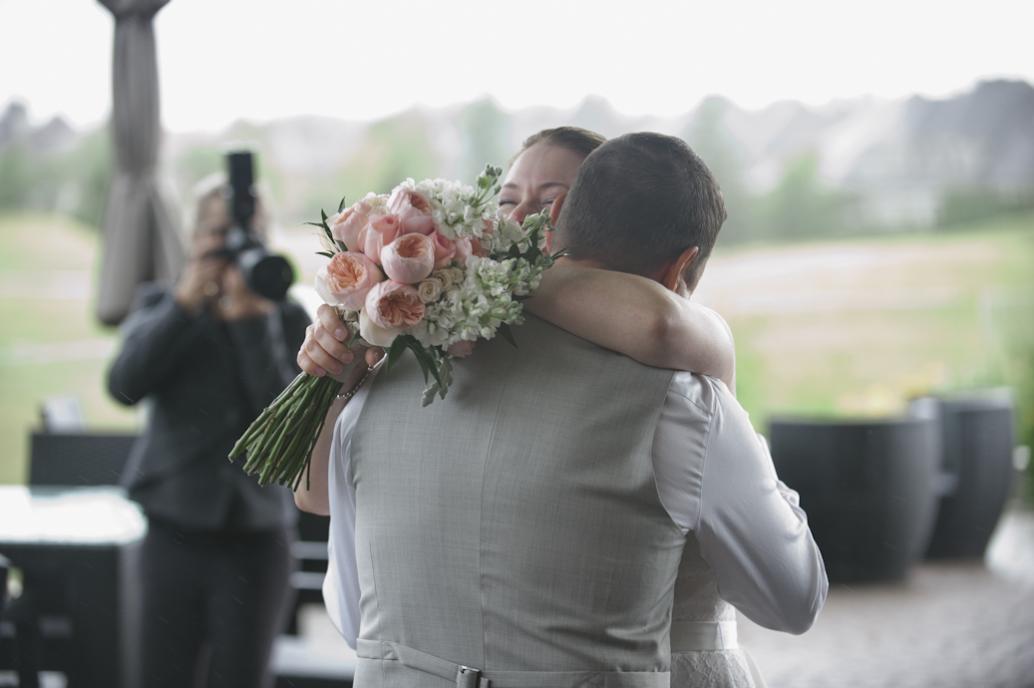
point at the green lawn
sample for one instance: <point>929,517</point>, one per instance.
<point>841,327</point>
<point>859,326</point>
<point>50,344</point>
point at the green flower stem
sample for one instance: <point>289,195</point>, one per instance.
<point>278,445</point>
<point>323,405</point>
<point>297,455</point>
<point>266,417</point>
<point>283,434</point>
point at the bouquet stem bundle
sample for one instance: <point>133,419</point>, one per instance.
<point>277,446</point>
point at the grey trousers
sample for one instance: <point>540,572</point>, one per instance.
<point>213,603</point>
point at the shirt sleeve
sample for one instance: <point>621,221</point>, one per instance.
<point>341,585</point>
<point>751,530</point>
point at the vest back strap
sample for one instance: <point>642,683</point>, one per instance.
<point>470,677</point>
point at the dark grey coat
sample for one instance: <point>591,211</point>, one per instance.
<point>205,380</point>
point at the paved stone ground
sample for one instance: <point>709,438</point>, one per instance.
<point>950,625</point>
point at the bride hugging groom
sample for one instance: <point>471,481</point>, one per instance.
<point>579,511</point>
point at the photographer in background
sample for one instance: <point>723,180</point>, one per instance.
<point>207,356</point>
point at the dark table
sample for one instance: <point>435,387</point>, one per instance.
<point>76,549</point>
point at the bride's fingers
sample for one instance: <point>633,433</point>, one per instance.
<point>374,356</point>
<point>330,344</point>
<point>308,365</point>
<point>319,356</point>
<point>329,320</point>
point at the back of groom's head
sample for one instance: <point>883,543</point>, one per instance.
<point>638,203</point>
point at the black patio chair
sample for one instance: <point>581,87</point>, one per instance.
<point>78,458</point>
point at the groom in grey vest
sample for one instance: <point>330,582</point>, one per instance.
<point>528,530</point>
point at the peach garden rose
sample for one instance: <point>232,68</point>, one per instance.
<point>350,225</point>
<point>394,306</point>
<point>413,210</point>
<point>383,230</point>
<point>409,259</point>
<point>346,280</point>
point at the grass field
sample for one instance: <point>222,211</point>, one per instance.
<point>859,326</point>
<point>846,327</point>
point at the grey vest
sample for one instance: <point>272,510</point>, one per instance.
<point>515,527</point>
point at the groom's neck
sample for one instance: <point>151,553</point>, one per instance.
<point>681,288</point>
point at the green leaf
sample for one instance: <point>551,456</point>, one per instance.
<point>426,361</point>
<point>424,369</point>
<point>341,205</point>
<point>446,372</point>
<point>445,376</point>
<point>323,216</point>
<point>396,349</point>
<point>327,232</point>
<point>315,224</point>
<point>429,393</point>
<point>341,245</point>
<point>507,334</point>
<point>328,254</point>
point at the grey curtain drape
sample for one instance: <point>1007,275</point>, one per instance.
<point>141,229</point>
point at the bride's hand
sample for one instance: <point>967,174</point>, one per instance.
<point>325,352</point>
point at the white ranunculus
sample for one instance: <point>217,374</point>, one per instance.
<point>430,290</point>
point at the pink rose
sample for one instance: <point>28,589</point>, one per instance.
<point>464,249</point>
<point>350,225</point>
<point>376,336</point>
<point>445,249</point>
<point>409,259</point>
<point>383,230</point>
<point>346,280</point>
<point>393,306</point>
<point>413,210</point>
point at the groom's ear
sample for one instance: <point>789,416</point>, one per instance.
<point>678,268</point>
<point>554,209</point>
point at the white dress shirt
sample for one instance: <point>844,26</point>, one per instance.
<point>714,477</point>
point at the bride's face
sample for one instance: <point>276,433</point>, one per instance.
<point>536,178</point>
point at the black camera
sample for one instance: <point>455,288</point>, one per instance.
<point>265,273</point>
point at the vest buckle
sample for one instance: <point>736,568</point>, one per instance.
<point>469,677</point>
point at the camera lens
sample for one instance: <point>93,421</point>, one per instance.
<point>266,274</point>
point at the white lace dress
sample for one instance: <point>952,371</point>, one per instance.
<point>704,649</point>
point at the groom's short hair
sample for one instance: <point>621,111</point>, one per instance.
<point>639,201</point>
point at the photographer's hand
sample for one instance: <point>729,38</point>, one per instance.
<point>238,301</point>
<point>201,280</point>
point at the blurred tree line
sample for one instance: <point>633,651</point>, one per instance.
<point>72,180</point>
<point>69,173</point>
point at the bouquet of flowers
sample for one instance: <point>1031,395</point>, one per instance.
<point>431,267</point>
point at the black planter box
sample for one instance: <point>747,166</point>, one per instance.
<point>977,443</point>
<point>869,487</point>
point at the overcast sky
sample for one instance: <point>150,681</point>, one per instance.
<point>224,59</point>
